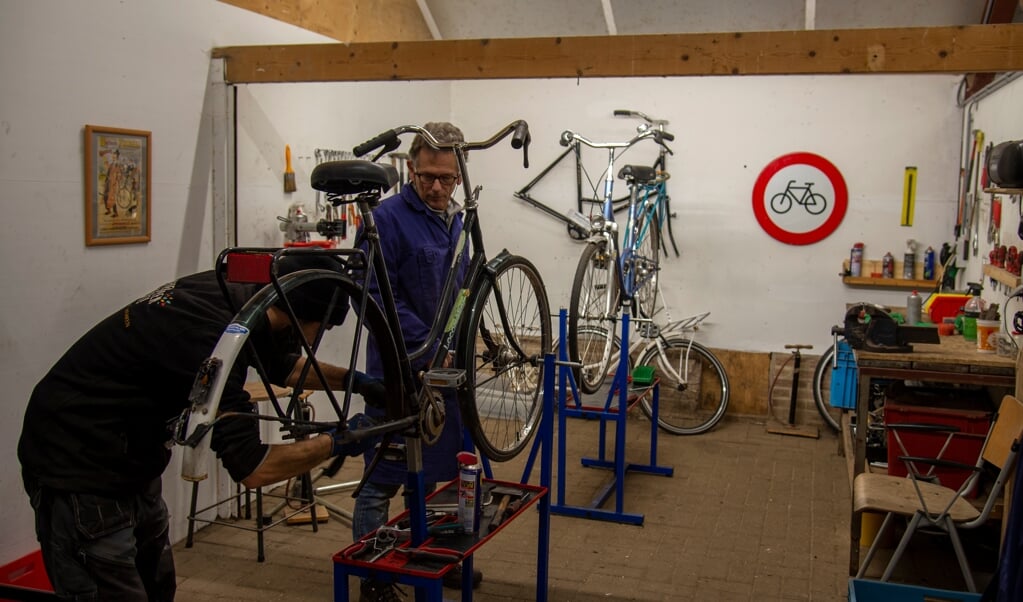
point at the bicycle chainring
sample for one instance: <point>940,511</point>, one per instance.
<point>431,416</point>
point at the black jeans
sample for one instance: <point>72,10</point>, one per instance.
<point>102,548</point>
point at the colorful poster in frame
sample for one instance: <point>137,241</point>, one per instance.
<point>117,185</point>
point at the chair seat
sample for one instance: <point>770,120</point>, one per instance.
<point>886,493</point>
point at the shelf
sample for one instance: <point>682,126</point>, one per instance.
<point>919,285</point>
<point>1004,190</point>
<point>871,266</point>
<point>1003,276</point>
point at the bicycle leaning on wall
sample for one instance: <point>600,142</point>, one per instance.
<point>498,326</point>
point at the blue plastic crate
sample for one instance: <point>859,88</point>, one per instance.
<point>865,590</point>
<point>844,377</point>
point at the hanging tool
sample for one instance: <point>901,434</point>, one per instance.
<point>908,196</point>
<point>289,174</point>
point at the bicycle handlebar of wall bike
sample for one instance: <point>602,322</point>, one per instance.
<point>568,136</point>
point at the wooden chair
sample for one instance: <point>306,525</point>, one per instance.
<point>931,505</point>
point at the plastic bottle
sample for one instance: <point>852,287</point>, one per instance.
<point>888,266</point>
<point>914,305</point>
<point>856,260</point>
<point>929,264</point>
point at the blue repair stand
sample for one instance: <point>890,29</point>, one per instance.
<point>429,589</point>
<point>618,413</point>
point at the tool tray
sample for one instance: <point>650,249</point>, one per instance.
<point>394,561</point>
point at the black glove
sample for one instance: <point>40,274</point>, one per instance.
<point>342,442</point>
<point>371,389</point>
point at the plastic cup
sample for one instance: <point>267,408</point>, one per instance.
<point>987,335</point>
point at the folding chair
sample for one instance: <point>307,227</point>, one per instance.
<point>929,504</point>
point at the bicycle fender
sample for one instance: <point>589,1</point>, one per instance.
<point>495,264</point>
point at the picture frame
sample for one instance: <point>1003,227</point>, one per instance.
<point>118,204</point>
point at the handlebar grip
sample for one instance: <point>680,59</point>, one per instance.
<point>566,137</point>
<point>388,138</point>
<point>667,136</point>
<point>520,135</point>
<point>622,113</point>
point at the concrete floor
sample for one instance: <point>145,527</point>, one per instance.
<point>747,515</point>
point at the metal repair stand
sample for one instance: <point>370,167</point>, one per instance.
<point>610,412</point>
<point>429,584</point>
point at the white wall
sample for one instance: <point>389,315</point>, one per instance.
<point>64,64</point>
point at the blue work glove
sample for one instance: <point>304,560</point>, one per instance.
<point>371,389</point>
<point>342,442</point>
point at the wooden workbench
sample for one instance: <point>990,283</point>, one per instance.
<point>954,360</point>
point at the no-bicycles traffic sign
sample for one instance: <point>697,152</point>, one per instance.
<point>800,198</point>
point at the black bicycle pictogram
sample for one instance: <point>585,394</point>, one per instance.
<point>813,202</point>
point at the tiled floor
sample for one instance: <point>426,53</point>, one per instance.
<point>747,515</point>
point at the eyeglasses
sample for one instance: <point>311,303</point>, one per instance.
<point>428,179</point>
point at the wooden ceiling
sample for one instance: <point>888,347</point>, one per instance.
<point>479,39</point>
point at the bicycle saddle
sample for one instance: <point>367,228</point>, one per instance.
<point>641,174</point>
<point>352,177</point>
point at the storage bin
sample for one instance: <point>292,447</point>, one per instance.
<point>843,378</point>
<point>970,413</point>
<point>865,590</point>
<point>27,572</point>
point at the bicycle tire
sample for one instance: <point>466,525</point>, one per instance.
<point>822,390</point>
<point>688,407</point>
<point>501,348</point>
<point>593,307</point>
<point>647,232</point>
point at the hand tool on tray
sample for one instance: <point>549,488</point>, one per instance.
<point>504,496</point>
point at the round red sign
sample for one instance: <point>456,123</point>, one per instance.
<point>800,198</point>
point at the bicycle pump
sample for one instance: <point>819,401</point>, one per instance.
<point>790,427</point>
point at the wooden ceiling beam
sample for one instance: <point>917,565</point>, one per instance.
<point>960,49</point>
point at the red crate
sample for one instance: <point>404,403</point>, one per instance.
<point>966,444</point>
<point>27,572</point>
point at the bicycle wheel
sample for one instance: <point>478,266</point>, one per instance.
<point>646,263</point>
<point>593,315</point>
<point>822,389</point>
<point>502,346</point>
<point>693,386</point>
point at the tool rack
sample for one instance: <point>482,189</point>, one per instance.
<point>610,412</point>
<point>426,574</point>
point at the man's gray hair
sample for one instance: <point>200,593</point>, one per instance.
<point>441,130</point>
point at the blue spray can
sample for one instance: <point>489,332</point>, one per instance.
<point>929,264</point>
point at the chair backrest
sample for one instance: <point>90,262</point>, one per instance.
<point>1006,430</point>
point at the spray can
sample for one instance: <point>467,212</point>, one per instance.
<point>909,261</point>
<point>856,260</point>
<point>470,503</point>
<point>929,264</point>
<point>914,305</point>
<point>888,266</point>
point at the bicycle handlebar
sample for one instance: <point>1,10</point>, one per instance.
<point>643,116</point>
<point>568,136</point>
<point>519,130</point>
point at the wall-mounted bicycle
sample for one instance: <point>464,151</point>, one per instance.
<point>578,219</point>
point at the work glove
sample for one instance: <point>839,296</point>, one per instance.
<point>371,389</point>
<point>342,442</point>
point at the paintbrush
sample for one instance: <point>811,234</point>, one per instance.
<point>289,174</point>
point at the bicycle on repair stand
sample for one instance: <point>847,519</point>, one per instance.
<point>498,326</point>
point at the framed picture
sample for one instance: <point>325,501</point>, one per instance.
<point>117,186</point>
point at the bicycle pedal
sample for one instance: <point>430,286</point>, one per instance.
<point>444,377</point>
